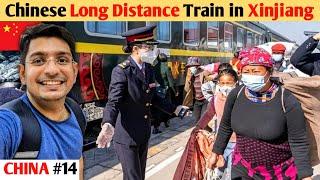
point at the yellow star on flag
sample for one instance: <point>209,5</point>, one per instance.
<point>6,28</point>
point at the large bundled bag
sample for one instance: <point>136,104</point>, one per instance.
<point>307,91</point>
<point>192,164</point>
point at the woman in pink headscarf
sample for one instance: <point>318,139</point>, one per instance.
<point>269,124</point>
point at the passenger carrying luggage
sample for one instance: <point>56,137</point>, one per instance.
<point>307,91</point>
<point>31,137</point>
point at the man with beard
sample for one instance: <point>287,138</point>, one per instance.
<point>49,127</point>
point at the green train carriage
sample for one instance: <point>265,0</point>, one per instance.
<point>99,46</point>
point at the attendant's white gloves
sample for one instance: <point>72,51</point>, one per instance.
<point>105,136</point>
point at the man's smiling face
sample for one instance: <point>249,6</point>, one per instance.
<point>49,71</point>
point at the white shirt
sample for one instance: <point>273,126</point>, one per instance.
<point>139,65</point>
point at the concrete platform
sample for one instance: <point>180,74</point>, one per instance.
<point>103,164</point>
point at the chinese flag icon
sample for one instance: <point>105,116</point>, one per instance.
<point>10,34</point>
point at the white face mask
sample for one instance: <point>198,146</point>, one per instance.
<point>149,56</point>
<point>277,57</point>
<point>193,70</point>
<point>254,82</point>
<point>225,90</point>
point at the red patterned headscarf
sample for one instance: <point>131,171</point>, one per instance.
<point>255,56</point>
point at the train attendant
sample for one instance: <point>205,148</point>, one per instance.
<point>269,123</point>
<point>126,117</point>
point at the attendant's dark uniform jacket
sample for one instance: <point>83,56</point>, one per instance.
<point>306,61</point>
<point>131,93</point>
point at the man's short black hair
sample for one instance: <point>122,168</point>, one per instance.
<point>45,30</point>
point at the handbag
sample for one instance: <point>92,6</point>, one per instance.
<point>192,164</point>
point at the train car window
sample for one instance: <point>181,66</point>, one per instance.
<point>257,40</point>
<point>163,31</point>
<point>213,34</point>
<point>261,39</point>
<point>228,35</point>
<point>191,33</point>
<point>105,29</point>
<point>250,39</point>
<point>240,38</point>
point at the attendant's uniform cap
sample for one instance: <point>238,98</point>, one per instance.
<point>141,35</point>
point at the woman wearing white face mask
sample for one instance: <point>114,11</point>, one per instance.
<point>148,54</point>
<point>278,51</point>
<point>271,143</point>
<point>226,81</point>
<point>194,80</point>
<point>199,140</point>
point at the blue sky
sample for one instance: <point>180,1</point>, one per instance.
<point>294,30</point>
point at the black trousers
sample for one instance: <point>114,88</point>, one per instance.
<point>159,116</point>
<point>133,160</point>
<point>199,107</point>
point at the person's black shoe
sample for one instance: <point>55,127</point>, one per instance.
<point>156,131</point>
